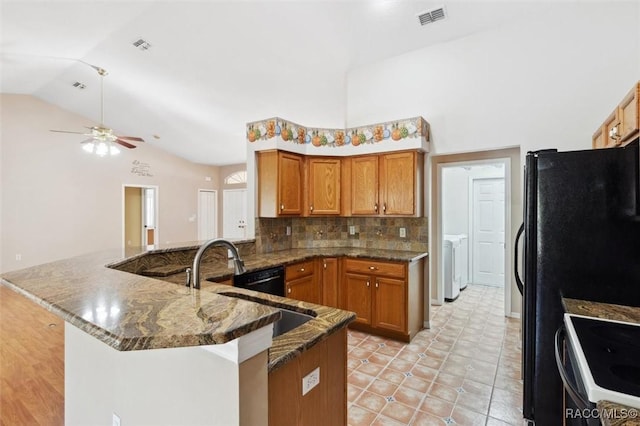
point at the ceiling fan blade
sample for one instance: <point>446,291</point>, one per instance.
<point>124,143</point>
<point>131,138</point>
<point>66,131</point>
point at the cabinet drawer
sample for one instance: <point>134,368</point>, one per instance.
<point>298,270</point>
<point>374,267</point>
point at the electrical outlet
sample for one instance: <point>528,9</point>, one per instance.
<point>403,232</point>
<point>352,230</point>
<point>310,381</point>
<point>116,420</point>
<point>288,230</point>
<point>18,257</point>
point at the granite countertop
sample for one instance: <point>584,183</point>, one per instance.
<point>627,416</point>
<point>135,312</point>
<point>132,312</point>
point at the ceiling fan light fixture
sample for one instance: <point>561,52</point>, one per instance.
<point>88,147</point>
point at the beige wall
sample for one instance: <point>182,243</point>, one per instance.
<point>58,201</point>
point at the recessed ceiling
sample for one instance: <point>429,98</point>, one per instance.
<point>202,70</point>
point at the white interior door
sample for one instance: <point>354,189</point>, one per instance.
<point>234,213</point>
<point>207,214</point>
<point>149,216</point>
<point>488,232</point>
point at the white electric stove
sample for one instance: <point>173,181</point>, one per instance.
<point>607,354</point>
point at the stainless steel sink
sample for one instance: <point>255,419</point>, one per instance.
<point>290,318</point>
<point>289,321</point>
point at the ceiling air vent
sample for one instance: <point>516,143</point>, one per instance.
<point>142,44</point>
<point>432,15</point>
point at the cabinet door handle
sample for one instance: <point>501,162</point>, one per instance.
<point>368,283</point>
<point>281,206</point>
<point>384,207</point>
<point>301,269</point>
<point>372,268</point>
<point>311,209</point>
<point>376,284</point>
<point>375,207</point>
<point>289,290</point>
<point>324,265</point>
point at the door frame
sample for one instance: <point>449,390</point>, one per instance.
<point>215,211</point>
<point>157,216</point>
<point>512,191</point>
<point>472,181</point>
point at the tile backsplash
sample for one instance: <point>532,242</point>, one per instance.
<point>370,232</point>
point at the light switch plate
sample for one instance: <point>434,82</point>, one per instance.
<point>352,230</point>
<point>403,232</point>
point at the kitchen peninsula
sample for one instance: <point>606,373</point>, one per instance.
<point>182,356</point>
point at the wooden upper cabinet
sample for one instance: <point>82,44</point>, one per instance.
<point>398,183</point>
<point>280,182</point>
<point>386,184</point>
<point>364,185</point>
<point>324,186</point>
<point>621,126</point>
<point>629,110</point>
<point>369,185</point>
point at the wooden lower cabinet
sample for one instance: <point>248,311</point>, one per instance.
<point>325,404</point>
<point>304,289</point>
<point>387,297</point>
<point>357,296</point>
<point>389,304</point>
<point>301,282</point>
<point>329,281</point>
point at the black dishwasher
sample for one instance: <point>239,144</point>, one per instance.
<point>270,280</point>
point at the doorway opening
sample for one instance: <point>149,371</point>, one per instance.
<point>472,205</point>
<point>140,215</point>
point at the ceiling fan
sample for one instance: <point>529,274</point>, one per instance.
<point>102,139</point>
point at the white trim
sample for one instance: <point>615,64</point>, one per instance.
<point>515,315</point>
<point>244,347</point>
<point>426,324</point>
<point>435,302</point>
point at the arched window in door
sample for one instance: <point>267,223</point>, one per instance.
<point>236,178</point>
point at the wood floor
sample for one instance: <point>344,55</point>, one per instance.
<point>31,363</point>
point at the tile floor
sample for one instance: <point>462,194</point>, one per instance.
<point>465,370</point>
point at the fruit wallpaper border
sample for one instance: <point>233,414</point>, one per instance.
<point>390,131</point>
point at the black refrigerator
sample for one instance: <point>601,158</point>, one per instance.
<point>580,239</point>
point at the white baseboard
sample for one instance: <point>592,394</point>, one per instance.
<point>514,315</point>
<point>426,324</point>
<point>435,302</point>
